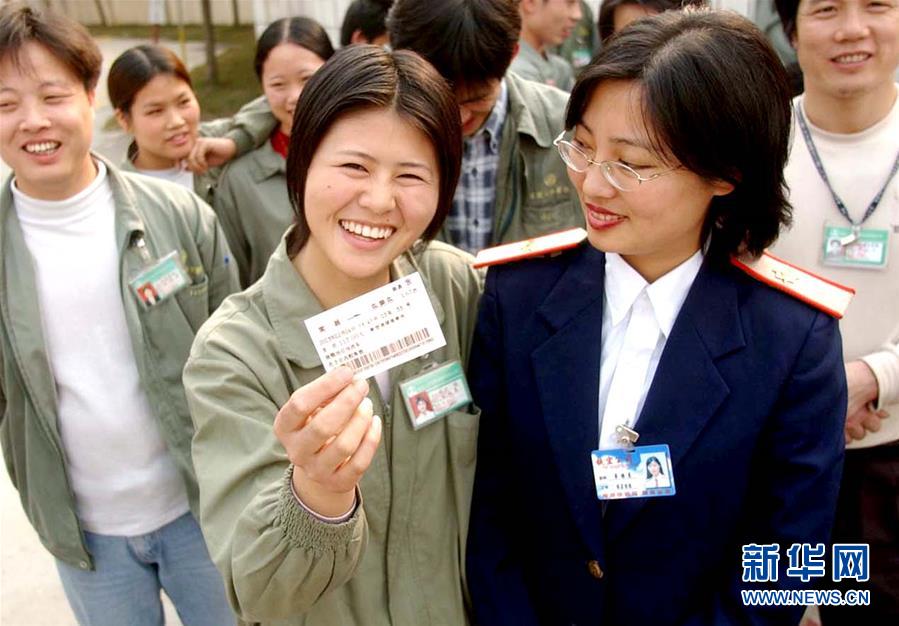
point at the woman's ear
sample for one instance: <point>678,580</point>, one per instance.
<point>124,120</point>
<point>721,187</point>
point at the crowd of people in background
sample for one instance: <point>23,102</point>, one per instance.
<point>170,425</point>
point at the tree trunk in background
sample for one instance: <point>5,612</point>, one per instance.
<point>99,5</point>
<point>211,62</point>
<point>235,13</point>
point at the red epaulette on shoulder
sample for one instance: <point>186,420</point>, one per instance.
<point>538,246</point>
<point>817,291</point>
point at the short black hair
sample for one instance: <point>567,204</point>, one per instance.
<point>470,42</point>
<point>368,17</point>
<point>716,97</point>
<point>787,10</point>
<point>605,21</point>
<point>302,31</point>
<point>67,40</point>
<point>365,77</point>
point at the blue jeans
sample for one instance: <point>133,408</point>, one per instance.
<point>123,589</point>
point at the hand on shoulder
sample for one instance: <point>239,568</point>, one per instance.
<point>210,152</point>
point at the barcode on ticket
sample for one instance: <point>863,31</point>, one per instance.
<point>419,337</point>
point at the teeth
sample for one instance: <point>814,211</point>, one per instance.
<point>372,232</point>
<point>606,217</point>
<point>43,147</point>
<point>852,58</point>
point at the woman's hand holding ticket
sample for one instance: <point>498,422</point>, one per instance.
<point>330,434</point>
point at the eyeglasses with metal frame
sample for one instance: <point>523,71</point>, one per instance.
<point>622,177</point>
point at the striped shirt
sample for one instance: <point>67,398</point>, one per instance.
<point>470,222</point>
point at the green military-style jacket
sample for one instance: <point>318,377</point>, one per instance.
<point>549,70</point>
<point>249,128</point>
<point>254,208</point>
<point>533,193</point>
<point>168,217</point>
<point>583,42</point>
<point>400,558</point>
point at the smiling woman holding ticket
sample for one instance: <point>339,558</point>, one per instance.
<point>328,498</point>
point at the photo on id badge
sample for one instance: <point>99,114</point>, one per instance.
<point>422,409</point>
<point>640,472</point>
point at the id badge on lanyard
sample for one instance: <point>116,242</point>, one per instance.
<point>852,246</point>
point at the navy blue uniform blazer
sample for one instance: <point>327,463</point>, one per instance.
<point>750,395</point>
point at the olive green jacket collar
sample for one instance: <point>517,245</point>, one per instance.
<point>289,302</point>
<point>264,162</point>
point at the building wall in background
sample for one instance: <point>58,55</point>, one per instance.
<point>260,13</point>
<point>329,13</point>
<point>137,11</point>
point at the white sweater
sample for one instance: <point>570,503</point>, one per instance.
<point>177,175</point>
<point>857,165</point>
<point>124,481</point>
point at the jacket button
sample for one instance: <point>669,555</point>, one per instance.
<point>83,565</point>
<point>595,570</point>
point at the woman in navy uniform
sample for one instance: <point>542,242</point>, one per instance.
<point>676,138</point>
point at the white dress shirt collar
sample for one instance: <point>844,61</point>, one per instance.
<point>667,294</point>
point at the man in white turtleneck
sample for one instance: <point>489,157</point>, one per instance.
<point>96,431</point>
<point>845,193</point>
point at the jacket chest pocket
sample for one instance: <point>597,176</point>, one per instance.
<point>194,302</point>
<point>462,431</point>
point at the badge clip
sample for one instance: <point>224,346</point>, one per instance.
<point>140,243</point>
<point>850,238</point>
<point>626,436</point>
